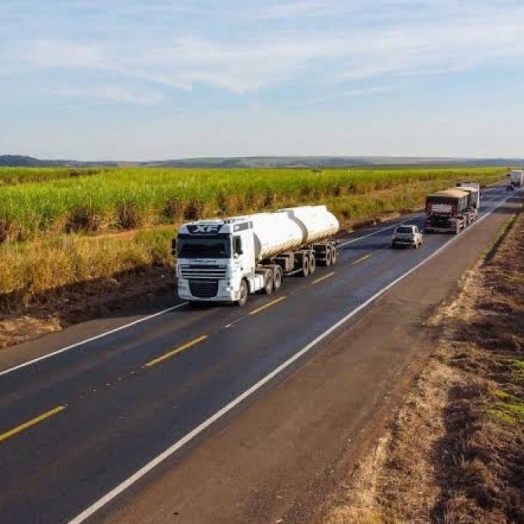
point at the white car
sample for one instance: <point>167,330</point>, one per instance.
<point>406,235</point>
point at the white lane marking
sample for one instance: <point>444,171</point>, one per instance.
<point>88,512</point>
<point>86,341</point>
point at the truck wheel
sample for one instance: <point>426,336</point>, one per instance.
<point>312,264</point>
<point>328,256</point>
<point>243,293</point>
<point>269,284</point>
<point>334,255</point>
<point>277,278</point>
<point>305,265</point>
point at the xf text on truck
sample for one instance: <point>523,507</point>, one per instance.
<point>225,260</point>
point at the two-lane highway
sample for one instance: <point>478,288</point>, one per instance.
<point>79,427</point>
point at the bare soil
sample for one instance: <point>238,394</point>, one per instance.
<point>455,452</point>
<point>70,306</point>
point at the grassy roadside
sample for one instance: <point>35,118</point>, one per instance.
<point>455,453</point>
<point>60,229</point>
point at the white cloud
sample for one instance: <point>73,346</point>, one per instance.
<point>49,54</point>
<point>356,92</point>
<point>111,93</point>
<point>427,38</point>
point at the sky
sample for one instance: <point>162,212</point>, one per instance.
<point>136,80</point>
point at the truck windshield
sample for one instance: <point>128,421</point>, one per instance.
<point>204,248</point>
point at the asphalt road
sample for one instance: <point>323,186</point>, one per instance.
<point>106,408</point>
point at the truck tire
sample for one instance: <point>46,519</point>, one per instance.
<point>312,263</point>
<point>243,294</point>
<point>329,256</point>
<point>334,255</point>
<point>305,265</point>
<point>277,278</point>
<point>270,283</point>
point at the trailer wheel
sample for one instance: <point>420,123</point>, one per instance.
<point>334,255</point>
<point>269,284</point>
<point>328,256</point>
<point>312,264</point>
<point>305,265</point>
<point>243,293</point>
<point>277,277</point>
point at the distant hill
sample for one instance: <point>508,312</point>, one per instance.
<point>29,161</point>
<point>330,162</point>
<point>313,162</point>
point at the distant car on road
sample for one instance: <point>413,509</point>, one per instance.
<point>510,188</point>
<point>406,235</point>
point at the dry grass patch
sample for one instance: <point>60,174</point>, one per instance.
<point>456,451</point>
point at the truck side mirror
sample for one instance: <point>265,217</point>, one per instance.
<point>173,246</point>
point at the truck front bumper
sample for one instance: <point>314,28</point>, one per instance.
<point>206,291</point>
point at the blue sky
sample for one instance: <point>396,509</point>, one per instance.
<point>162,79</point>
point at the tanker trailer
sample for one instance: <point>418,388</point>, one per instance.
<point>225,260</point>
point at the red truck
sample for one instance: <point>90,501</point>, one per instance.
<point>451,210</point>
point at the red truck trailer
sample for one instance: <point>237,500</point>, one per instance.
<point>451,210</point>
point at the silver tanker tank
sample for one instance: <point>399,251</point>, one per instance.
<point>290,229</point>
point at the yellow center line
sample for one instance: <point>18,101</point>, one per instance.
<point>323,278</point>
<point>261,308</point>
<point>361,259</point>
<point>31,422</point>
<point>175,351</point>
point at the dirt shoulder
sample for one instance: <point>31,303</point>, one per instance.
<point>455,451</point>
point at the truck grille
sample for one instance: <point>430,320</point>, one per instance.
<point>203,288</point>
<point>202,272</point>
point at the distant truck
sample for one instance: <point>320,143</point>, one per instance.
<point>452,210</point>
<point>516,178</point>
<point>225,260</point>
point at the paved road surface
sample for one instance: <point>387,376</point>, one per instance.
<point>76,425</point>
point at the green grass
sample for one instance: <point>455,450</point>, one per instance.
<point>31,270</point>
<point>23,175</point>
<point>58,229</point>
<point>124,199</point>
<point>507,408</point>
